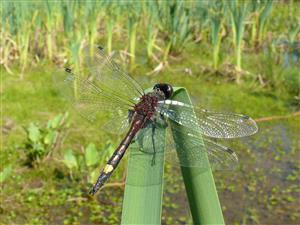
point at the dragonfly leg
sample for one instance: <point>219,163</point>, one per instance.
<point>130,115</point>
<point>163,121</point>
<point>153,144</point>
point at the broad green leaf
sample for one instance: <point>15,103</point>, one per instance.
<point>70,159</point>
<point>93,176</point>
<point>142,199</point>
<point>81,163</point>
<point>200,186</point>
<point>55,122</point>
<point>50,137</point>
<point>34,133</point>
<point>142,202</point>
<point>109,150</point>
<point>5,173</point>
<point>91,155</point>
<point>38,148</point>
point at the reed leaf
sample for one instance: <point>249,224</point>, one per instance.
<point>216,21</point>
<point>112,10</point>
<point>201,18</point>
<point>91,15</point>
<point>238,12</point>
<point>144,184</point>
<point>49,27</point>
<point>169,26</point>
<point>175,22</point>
<point>260,11</point>
<point>151,10</point>
<point>135,9</point>
<point>24,30</point>
<point>267,7</point>
<point>142,202</point>
<point>199,183</point>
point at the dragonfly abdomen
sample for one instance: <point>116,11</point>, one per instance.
<point>118,154</point>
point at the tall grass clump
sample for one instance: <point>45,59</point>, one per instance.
<point>216,11</point>
<point>50,25</point>
<point>238,12</point>
<point>18,20</point>
<point>151,10</point>
<point>91,11</point>
<point>57,31</point>
<point>134,8</point>
<point>175,24</point>
<point>72,31</point>
<point>201,19</point>
<point>260,11</point>
<point>112,10</point>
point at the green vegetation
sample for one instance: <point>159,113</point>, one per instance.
<point>199,182</point>
<point>42,141</point>
<point>84,164</point>
<point>144,182</point>
<point>241,57</point>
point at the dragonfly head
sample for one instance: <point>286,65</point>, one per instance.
<point>166,89</point>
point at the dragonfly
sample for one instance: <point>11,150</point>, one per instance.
<point>103,86</point>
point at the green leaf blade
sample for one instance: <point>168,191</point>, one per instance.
<point>142,202</point>
<point>5,173</point>
<point>70,160</point>
<point>91,155</point>
<point>200,187</point>
<point>34,133</point>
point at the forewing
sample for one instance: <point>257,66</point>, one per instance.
<point>208,123</point>
<point>109,76</point>
<point>89,99</point>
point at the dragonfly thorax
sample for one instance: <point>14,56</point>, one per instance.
<point>147,105</point>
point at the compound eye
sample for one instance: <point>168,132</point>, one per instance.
<point>169,91</point>
<point>157,87</point>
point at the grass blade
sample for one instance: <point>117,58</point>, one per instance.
<point>238,11</point>
<point>199,183</point>
<point>142,202</point>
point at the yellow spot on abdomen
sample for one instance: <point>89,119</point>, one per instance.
<point>108,168</point>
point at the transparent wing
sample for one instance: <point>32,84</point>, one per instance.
<point>118,124</point>
<point>187,148</point>
<point>184,147</point>
<point>208,123</point>
<point>99,86</point>
<point>86,97</point>
<point>109,76</point>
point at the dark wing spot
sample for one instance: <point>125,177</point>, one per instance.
<point>101,48</point>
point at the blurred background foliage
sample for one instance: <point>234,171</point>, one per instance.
<point>240,56</point>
